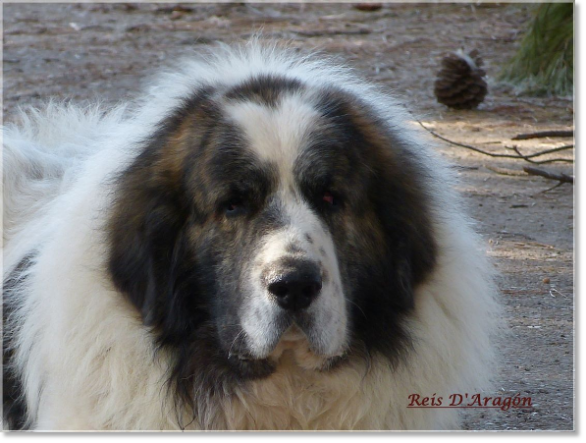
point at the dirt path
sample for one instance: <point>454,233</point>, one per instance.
<point>91,50</point>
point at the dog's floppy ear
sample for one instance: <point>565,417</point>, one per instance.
<point>149,255</point>
<point>404,253</point>
<point>404,213</point>
<point>406,248</point>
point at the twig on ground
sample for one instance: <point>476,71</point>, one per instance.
<point>537,154</point>
<point>543,134</point>
<point>326,32</point>
<point>561,177</point>
<point>518,156</point>
<point>464,168</point>
<point>557,185</point>
<point>504,171</point>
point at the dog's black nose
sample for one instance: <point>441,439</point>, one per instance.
<point>296,288</point>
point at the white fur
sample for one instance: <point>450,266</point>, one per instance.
<point>86,356</point>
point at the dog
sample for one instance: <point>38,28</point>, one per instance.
<point>261,241</point>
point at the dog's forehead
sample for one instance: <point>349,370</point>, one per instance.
<point>278,132</point>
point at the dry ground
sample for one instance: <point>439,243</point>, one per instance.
<point>92,50</point>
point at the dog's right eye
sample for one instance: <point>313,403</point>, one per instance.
<point>233,207</point>
<point>331,200</point>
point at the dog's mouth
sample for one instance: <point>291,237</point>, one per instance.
<point>296,349</point>
<point>293,338</point>
<point>291,349</point>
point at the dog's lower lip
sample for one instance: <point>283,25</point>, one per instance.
<point>293,334</point>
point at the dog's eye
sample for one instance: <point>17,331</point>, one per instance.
<point>330,199</point>
<point>234,207</point>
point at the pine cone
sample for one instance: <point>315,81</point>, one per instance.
<point>460,83</point>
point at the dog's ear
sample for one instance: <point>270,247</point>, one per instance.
<point>403,209</point>
<point>403,255</point>
<point>149,255</point>
<point>406,248</point>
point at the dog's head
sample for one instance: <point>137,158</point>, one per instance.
<point>267,216</point>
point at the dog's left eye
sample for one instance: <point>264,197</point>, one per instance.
<point>234,207</point>
<point>328,197</point>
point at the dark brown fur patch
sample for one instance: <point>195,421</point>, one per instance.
<point>187,216</point>
<point>395,176</point>
<point>14,406</point>
<point>381,221</point>
<point>264,89</point>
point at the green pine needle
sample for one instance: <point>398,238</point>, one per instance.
<point>544,62</point>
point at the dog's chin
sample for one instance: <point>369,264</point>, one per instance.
<point>292,348</point>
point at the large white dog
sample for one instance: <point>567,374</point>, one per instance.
<point>262,241</point>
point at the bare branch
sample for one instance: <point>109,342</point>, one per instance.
<point>504,171</point>
<point>518,156</point>
<point>543,134</point>
<point>541,162</point>
<point>562,178</point>
<point>464,168</point>
<point>547,151</point>
<point>557,185</point>
<point>324,32</point>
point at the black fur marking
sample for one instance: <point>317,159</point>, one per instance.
<point>14,405</point>
<point>264,89</point>
<point>178,256</point>
<point>380,185</point>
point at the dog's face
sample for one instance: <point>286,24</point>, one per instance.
<point>268,216</point>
